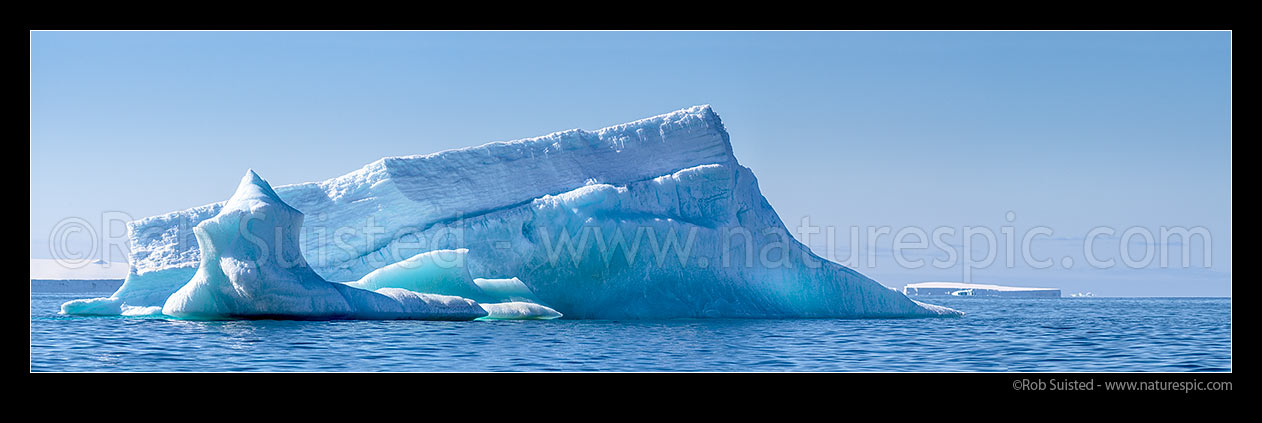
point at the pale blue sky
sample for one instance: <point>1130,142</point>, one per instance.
<point>1070,130</point>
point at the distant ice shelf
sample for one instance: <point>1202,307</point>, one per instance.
<point>75,285</point>
<point>959,289</point>
<point>50,269</point>
<point>53,276</point>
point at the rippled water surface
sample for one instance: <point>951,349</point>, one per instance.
<point>1068,334</point>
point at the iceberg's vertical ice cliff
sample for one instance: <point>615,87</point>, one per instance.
<point>649,219</point>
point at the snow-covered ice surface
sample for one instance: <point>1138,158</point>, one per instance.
<point>649,219</point>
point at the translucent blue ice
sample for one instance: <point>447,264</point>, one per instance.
<point>649,219</point>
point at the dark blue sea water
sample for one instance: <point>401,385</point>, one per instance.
<point>1068,334</point>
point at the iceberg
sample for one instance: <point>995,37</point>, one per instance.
<point>518,310</point>
<point>251,267</point>
<point>511,289</point>
<point>443,272</point>
<point>650,219</point>
<point>959,289</point>
<point>436,272</point>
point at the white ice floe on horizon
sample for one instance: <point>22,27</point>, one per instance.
<point>961,285</point>
<point>50,269</point>
<point>962,289</point>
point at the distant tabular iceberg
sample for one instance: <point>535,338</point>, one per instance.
<point>48,276</point>
<point>940,289</point>
<point>649,219</point>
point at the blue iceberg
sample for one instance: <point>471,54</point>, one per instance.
<point>649,219</point>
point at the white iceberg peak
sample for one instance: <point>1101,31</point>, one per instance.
<point>254,188</point>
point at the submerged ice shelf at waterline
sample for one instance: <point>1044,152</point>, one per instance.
<point>511,205</point>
